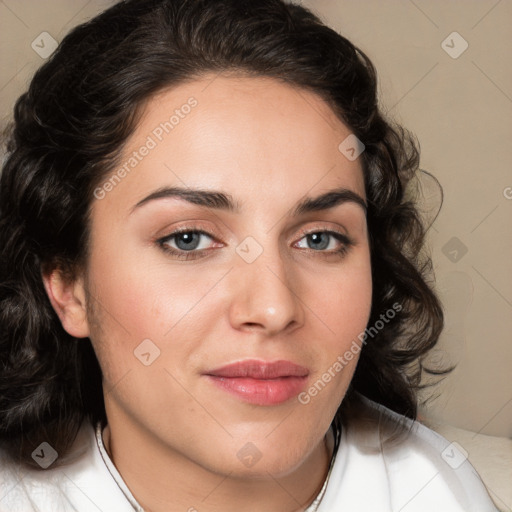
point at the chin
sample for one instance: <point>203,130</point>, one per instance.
<point>262,469</point>
<point>258,460</point>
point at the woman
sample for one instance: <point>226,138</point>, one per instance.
<point>212,291</point>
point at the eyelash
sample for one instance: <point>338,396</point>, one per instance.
<point>347,244</point>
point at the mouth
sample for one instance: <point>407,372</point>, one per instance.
<point>260,382</point>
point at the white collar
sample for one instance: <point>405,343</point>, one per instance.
<point>113,470</point>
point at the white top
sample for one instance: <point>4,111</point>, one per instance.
<point>423,472</point>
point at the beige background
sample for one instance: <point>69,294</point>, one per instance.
<point>459,108</point>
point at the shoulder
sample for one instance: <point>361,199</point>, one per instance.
<point>388,462</point>
<point>81,483</point>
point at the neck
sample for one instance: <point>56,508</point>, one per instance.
<point>161,479</point>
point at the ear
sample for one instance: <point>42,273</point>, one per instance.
<point>68,299</point>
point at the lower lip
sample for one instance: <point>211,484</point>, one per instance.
<point>261,392</point>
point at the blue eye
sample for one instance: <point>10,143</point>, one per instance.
<point>185,240</point>
<point>320,240</point>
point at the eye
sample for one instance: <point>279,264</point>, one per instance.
<point>328,242</point>
<point>184,241</point>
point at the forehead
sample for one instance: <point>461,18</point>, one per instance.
<point>255,137</point>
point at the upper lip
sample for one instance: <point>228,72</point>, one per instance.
<point>254,369</point>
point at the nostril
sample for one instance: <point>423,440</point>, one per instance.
<point>252,324</point>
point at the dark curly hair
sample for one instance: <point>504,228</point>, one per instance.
<point>68,131</point>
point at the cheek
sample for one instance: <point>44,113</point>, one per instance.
<point>136,300</point>
<point>138,296</point>
<point>343,302</point>
<point>344,306</point>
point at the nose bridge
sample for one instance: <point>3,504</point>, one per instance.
<point>264,287</point>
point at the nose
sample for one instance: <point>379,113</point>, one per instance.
<point>263,295</point>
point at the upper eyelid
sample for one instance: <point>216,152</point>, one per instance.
<point>212,233</point>
<point>303,233</point>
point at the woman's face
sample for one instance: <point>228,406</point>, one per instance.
<point>187,327</point>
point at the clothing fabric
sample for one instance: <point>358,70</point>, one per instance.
<point>376,467</point>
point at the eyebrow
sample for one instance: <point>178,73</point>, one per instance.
<point>218,200</point>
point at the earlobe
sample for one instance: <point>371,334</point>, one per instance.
<point>68,299</point>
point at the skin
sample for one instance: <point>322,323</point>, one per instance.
<point>174,436</point>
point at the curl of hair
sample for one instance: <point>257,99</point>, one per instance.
<point>68,131</point>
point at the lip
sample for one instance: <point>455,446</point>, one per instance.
<point>260,382</point>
